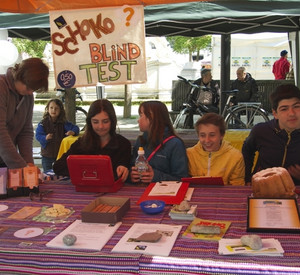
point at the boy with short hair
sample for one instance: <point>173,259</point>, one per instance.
<point>277,141</point>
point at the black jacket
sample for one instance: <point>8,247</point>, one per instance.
<point>272,143</point>
<point>248,90</point>
<point>118,148</point>
<point>213,88</point>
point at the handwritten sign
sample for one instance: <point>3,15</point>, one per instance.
<point>105,45</point>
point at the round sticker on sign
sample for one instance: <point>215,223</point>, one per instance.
<point>66,79</point>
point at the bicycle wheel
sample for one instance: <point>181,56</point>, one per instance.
<point>81,117</point>
<point>245,117</point>
<point>182,120</point>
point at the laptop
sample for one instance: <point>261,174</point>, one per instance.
<point>93,173</point>
<point>204,180</point>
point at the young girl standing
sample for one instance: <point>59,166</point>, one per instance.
<point>51,130</point>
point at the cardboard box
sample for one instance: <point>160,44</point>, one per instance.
<point>87,214</point>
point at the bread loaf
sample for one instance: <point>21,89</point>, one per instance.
<point>274,182</point>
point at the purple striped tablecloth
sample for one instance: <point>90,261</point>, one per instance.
<point>31,256</point>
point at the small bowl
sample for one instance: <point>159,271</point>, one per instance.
<point>152,206</point>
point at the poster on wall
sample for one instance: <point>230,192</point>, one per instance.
<point>105,45</point>
<point>235,61</point>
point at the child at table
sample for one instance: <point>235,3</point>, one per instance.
<point>164,150</point>
<point>51,130</point>
<point>213,156</point>
<point>100,138</point>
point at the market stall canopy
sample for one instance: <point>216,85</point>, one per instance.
<point>187,19</point>
<point>44,6</point>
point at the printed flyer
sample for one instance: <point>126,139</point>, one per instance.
<point>224,225</point>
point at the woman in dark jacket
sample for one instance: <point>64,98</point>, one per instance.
<point>100,138</point>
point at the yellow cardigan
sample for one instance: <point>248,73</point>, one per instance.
<point>227,163</point>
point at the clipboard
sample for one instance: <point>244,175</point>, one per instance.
<point>273,215</point>
<point>167,199</point>
<point>204,180</point>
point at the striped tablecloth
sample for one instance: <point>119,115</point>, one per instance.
<point>31,256</point>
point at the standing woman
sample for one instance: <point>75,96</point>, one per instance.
<point>164,150</point>
<point>16,110</point>
<point>100,138</point>
<point>213,156</point>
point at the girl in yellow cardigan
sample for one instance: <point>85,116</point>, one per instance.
<point>213,156</point>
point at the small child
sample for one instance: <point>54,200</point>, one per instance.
<point>51,130</point>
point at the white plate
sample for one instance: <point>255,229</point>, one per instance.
<point>28,232</point>
<point>3,207</point>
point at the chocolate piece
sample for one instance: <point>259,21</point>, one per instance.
<point>151,237</point>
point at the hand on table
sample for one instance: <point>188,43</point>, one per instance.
<point>122,172</point>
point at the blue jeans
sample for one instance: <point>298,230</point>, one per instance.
<point>47,163</point>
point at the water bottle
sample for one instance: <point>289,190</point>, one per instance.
<point>141,162</point>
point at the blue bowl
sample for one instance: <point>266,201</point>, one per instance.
<point>152,206</point>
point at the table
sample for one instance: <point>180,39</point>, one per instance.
<point>235,137</point>
<point>31,256</point>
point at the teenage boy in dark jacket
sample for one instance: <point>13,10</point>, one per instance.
<point>277,141</point>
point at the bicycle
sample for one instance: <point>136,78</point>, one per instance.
<point>244,115</point>
<point>79,111</point>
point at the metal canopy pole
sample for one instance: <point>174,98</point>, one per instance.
<point>225,65</point>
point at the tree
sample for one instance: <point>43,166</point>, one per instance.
<point>190,45</point>
<point>32,48</point>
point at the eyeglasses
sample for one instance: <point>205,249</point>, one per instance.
<point>33,196</point>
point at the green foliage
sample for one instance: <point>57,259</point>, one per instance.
<point>33,48</point>
<point>190,45</point>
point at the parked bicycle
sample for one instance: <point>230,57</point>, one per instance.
<point>244,115</point>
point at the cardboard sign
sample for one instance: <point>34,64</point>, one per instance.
<point>105,45</point>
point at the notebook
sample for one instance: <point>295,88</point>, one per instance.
<point>204,180</point>
<point>92,173</point>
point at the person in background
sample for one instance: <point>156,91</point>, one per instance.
<point>51,130</point>
<point>100,138</point>
<point>208,94</point>
<point>164,150</point>
<point>281,67</point>
<point>278,140</point>
<point>213,156</point>
<point>247,86</point>
<point>16,110</point>
<point>290,74</point>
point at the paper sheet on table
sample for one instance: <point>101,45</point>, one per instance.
<point>271,247</point>
<point>165,188</point>
<point>98,235</point>
<point>163,247</point>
